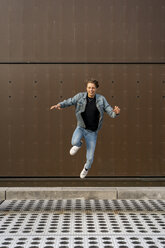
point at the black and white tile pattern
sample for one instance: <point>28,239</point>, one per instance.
<point>76,223</point>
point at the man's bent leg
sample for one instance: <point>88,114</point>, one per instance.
<point>77,136</point>
<point>76,140</point>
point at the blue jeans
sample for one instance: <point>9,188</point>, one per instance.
<point>90,139</point>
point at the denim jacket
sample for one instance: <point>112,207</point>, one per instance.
<point>80,101</point>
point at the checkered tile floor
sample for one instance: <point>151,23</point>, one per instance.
<point>76,223</point>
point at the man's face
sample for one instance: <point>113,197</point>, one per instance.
<point>91,89</point>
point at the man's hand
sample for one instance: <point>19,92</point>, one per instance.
<point>116,110</point>
<point>55,106</point>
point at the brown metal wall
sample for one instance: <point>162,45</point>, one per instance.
<point>36,141</point>
<point>82,30</point>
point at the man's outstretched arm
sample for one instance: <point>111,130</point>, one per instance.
<point>66,103</point>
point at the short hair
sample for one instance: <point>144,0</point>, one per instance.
<point>93,81</point>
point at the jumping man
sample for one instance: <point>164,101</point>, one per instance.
<point>89,108</point>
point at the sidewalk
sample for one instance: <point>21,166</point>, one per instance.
<point>57,218</point>
<point>9,193</point>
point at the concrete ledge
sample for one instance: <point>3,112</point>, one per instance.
<point>61,193</point>
<point>2,193</point>
<point>23,193</point>
<point>141,193</point>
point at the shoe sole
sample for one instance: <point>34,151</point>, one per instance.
<point>72,154</point>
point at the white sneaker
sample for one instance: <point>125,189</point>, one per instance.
<point>83,173</point>
<point>74,150</point>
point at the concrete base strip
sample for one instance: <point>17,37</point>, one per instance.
<point>82,192</point>
<point>2,193</point>
<point>141,193</point>
<point>60,193</point>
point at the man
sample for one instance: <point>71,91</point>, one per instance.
<point>89,108</point>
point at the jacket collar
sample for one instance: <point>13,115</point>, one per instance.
<point>85,95</point>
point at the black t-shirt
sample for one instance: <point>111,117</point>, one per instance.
<point>91,114</point>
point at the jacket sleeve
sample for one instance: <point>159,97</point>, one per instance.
<point>69,102</point>
<point>108,109</point>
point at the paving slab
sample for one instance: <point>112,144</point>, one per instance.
<point>141,193</point>
<point>82,205</point>
<point>79,223</point>
<point>82,193</point>
<point>60,193</point>
<point>2,193</point>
